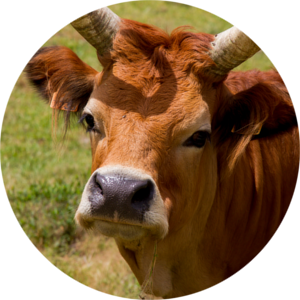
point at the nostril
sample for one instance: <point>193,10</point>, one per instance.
<point>98,185</point>
<point>96,198</point>
<point>97,181</point>
<point>144,194</point>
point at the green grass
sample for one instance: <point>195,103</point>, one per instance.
<point>44,178</point>
<point>46,213</point>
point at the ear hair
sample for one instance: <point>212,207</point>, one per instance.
<point>264,108</point>
<point>61,78</point>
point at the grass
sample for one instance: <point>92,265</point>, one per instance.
<point>44,178</point>
<point>95,262</point>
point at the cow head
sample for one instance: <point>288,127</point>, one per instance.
<point>150,114</point>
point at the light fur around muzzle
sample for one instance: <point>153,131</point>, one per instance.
<point>155,222</point>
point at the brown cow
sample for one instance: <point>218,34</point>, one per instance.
<point>189,159</point>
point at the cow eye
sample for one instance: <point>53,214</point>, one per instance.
<point>198,139</point>
<point>89,120</point>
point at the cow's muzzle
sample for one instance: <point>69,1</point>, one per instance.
<point>123,203</point>
<point>119,198</point>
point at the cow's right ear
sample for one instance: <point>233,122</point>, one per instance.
<point>61,78</point>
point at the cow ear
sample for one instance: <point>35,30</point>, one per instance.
<point>61,78</point>
<point>261,111</point>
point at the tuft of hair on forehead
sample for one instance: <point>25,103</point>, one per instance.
<point>137,43</point>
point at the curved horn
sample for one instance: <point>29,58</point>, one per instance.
<point>98,28</point>
<point>230,49</point>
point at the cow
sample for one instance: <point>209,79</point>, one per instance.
<point>193,165</point>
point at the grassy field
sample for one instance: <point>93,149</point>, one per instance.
<point>44,177</point>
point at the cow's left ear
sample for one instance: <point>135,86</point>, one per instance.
<point>262,110</point>
<point>61,78</point>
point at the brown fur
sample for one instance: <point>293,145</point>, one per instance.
<point>59,70</point>
<point>224,202</point>
<point>245,102</point>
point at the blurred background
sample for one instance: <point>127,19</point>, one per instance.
<point>45,176</point>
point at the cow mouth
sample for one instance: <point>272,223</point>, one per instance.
<point>122,230</point>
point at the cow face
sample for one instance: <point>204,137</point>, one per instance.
<point>145,138</point>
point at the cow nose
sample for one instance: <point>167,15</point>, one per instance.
<point>120,196</point>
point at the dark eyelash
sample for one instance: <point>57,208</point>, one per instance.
<point>90,129</point>
<point>82,118</point>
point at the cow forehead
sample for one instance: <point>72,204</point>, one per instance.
<point>149,95</point>
<point>179,117</point>
<point>179,121</point>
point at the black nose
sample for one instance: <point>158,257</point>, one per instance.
<point>118,196</point>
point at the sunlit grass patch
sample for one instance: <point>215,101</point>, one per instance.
<point>95,261</point>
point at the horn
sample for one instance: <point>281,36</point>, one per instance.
<point>99,28</point>
<point>230,48</point>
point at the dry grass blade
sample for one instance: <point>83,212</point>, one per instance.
<point>148,283</point>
